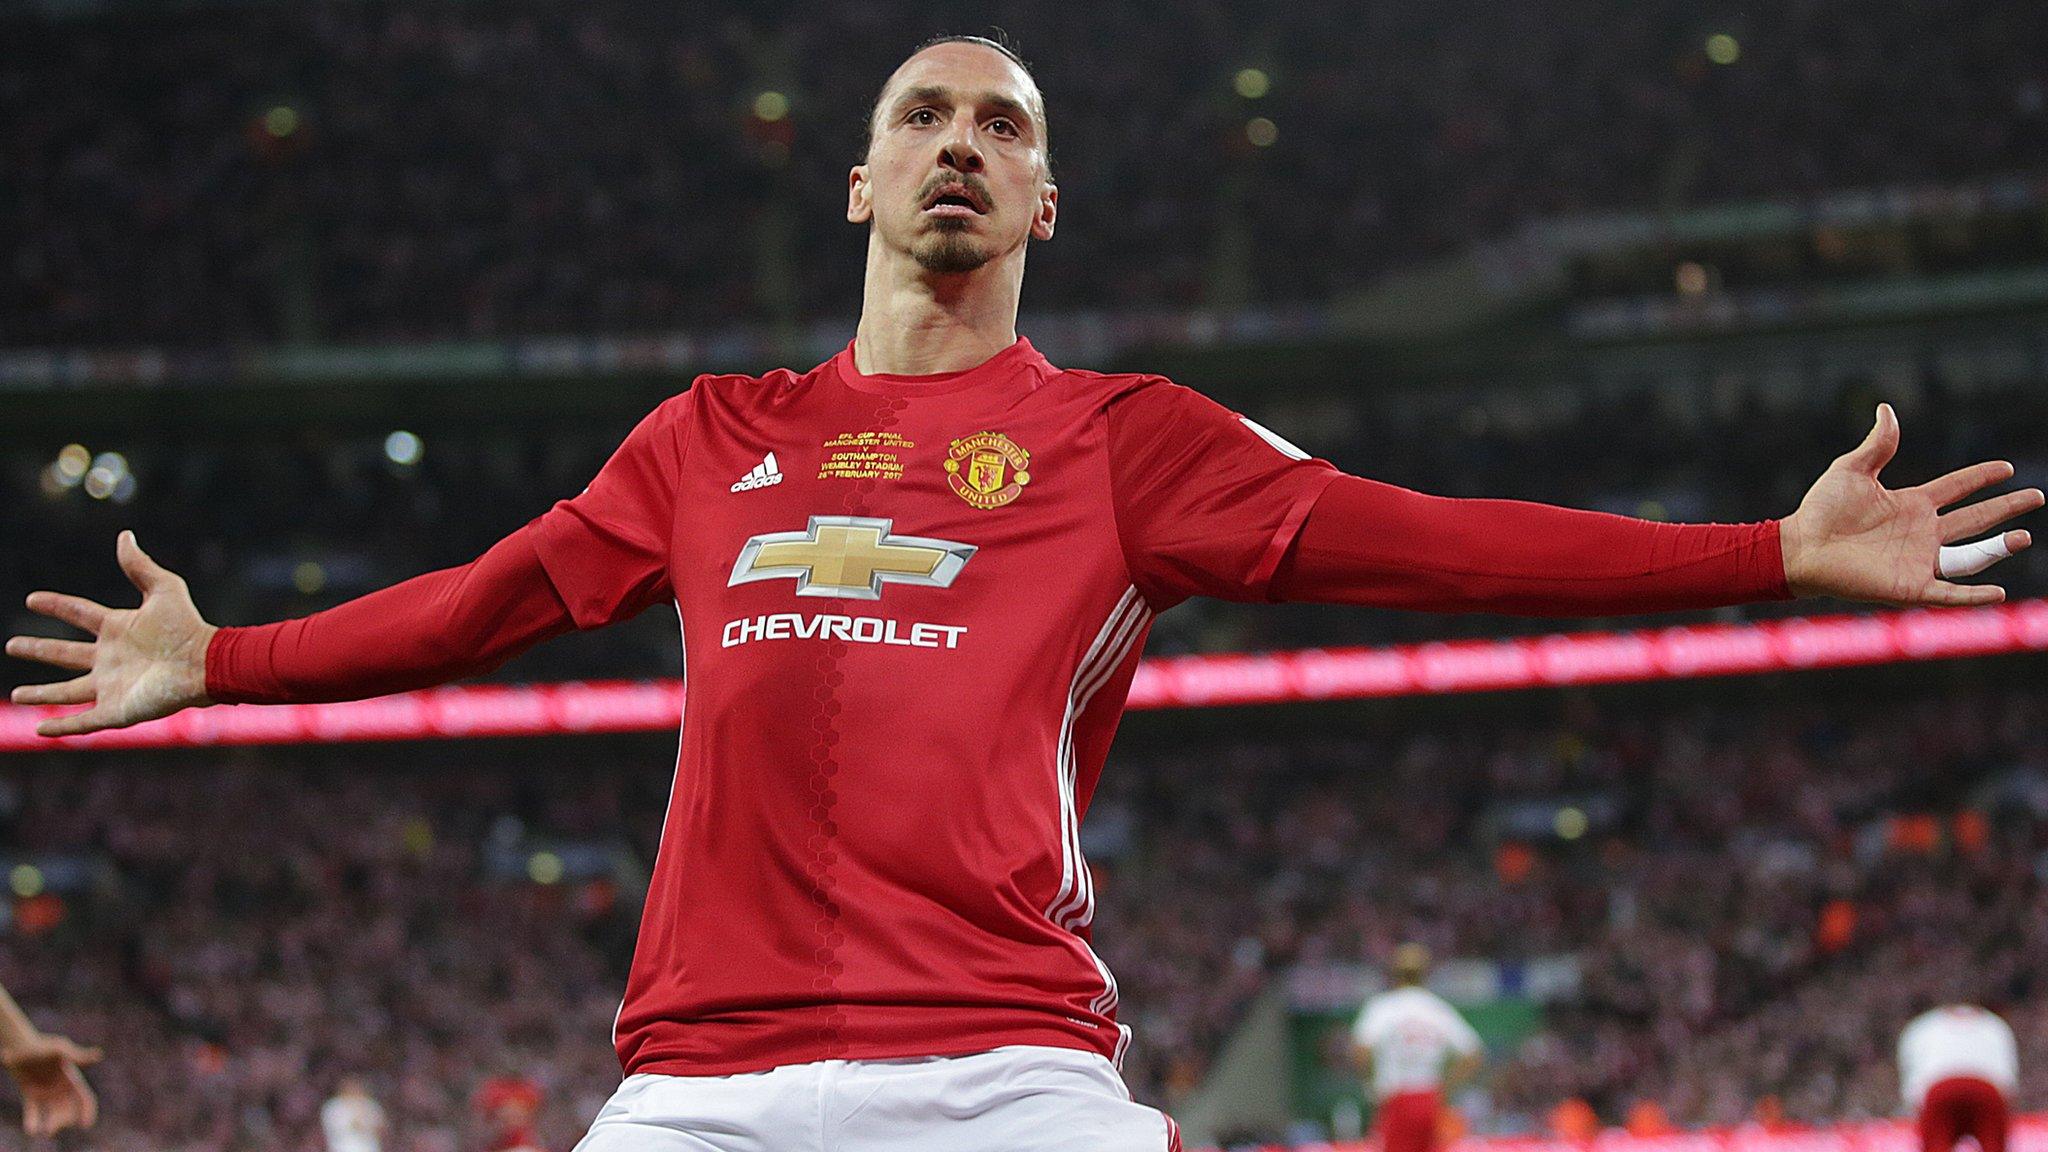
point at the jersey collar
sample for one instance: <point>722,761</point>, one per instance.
<point>1019,366</point>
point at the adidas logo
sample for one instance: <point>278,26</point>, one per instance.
<point>764,475</point>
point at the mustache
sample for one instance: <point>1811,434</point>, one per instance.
<point>972,183</point>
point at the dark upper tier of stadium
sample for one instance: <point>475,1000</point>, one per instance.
<point>213,175</point>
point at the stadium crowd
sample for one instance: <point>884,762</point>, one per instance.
<point>352,170</point>
<point>1787,876</point>
<point>1757,881</point>
<point>260,927</point>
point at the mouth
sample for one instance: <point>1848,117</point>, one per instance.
<point>955,201</point>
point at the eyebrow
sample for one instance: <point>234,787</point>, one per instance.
<point>940,94</point>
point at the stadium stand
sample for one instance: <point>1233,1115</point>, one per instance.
<point>413,171</point>
<point>382,916</point>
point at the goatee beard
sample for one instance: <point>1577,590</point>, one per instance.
<point>951,255</point>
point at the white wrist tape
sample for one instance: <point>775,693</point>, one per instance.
<point>1970,559</point>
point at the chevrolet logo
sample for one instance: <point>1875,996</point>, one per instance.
<point>850,557</point>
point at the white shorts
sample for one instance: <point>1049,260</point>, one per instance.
<point>1020,1099</point>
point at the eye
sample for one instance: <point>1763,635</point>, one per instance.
<point>1002,127</point>
<point>922,117</point>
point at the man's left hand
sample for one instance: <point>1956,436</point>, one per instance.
<point>1855,539</point>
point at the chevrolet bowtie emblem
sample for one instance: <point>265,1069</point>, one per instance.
<point>850,557</point>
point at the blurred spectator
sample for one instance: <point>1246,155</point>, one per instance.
<point>1769,1115</point>
<point>1646,1120</point>
<point>510,1105</point>
<point>352,1119</point>
<point>1574,1121</point>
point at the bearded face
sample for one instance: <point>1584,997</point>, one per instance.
<point>956,174</point>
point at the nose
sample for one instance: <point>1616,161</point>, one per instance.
<point>958,151</point>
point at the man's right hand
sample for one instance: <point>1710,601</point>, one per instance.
<point>142,663</point>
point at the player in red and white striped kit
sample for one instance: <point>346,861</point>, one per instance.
<point>913,584</point>
<point>1958,1067</point>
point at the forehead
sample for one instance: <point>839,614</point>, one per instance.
<point>966,70</point>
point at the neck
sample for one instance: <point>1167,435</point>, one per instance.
<point>917,323</point>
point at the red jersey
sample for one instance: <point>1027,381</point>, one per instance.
<point>911,609</point>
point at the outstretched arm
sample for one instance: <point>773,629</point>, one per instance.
<point>442,626</point>
<point>585,563</point>
<point>1374,544</point>
<point>162,657</point>
<point>1371,543</point>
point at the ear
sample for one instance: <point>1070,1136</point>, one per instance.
<point>860,206</point>
<point>1048,211</point>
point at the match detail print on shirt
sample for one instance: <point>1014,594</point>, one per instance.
<point>875,454</point>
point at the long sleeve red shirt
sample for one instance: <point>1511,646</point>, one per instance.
<point>428,630</point>
<point>1374,544</point>
<point>1363,543</point>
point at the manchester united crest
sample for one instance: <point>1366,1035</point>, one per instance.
<point>987,469</point>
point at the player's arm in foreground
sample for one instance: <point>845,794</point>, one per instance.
<point>54,1094</point>
<point>1851,537</point>
<point>587,562</point>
